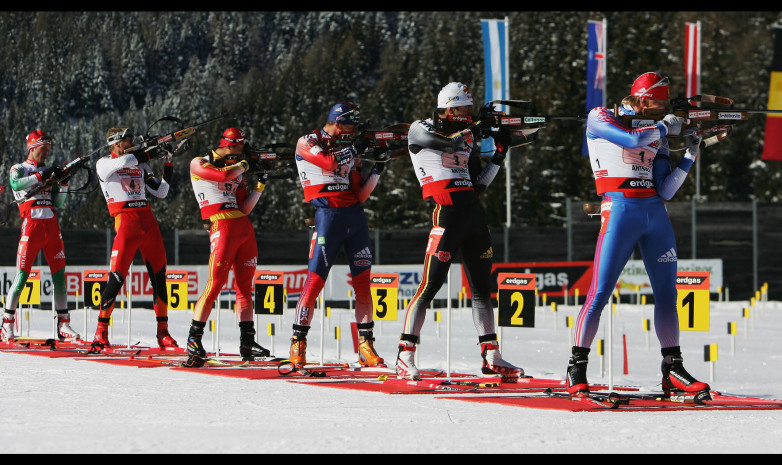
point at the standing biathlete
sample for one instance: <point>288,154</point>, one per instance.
<point>633,174</point>
<point>447,162</point>
<point>225,201</point>
<point>336,190</point>
<point>40,231</point>
<point>124,180</point>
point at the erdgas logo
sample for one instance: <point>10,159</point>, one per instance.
<point>642,183</point>
<point>688,280</point>
<point>522,281</point>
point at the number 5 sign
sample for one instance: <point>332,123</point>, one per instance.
<point>176,284</point>
<point>516,299</point>
<point>693,300</point>
<point>384,288</point>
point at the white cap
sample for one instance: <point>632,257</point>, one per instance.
<point>454,94</point>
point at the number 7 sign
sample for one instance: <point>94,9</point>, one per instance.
<point>693,300</point>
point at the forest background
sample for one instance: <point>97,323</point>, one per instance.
<point>275,74</point>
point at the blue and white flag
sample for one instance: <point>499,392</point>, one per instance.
<point>496,68</point>
<point>597,48</point>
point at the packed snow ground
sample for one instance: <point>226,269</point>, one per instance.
<point>61,405</point>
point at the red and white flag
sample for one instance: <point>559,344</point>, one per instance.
<point>692,58</point>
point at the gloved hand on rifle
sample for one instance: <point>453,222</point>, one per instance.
<point>381,158</point>
<point>51,172</point>
<point>692,144</point>
<point>361,144</point>
<point>673,124</point>
<point>501,144</point>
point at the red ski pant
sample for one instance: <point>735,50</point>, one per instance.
<point>232,246</point>
<point>137,231</point>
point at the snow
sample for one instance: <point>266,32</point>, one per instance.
<point>62,405</point>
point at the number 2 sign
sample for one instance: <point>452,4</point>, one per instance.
<point>516,299</point>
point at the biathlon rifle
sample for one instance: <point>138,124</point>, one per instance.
<point>523,122</point>
<point>63,174</point>
<point>713,117</point>
<point>261,159</point>
<point>173,140</point>
<point>393,137</point>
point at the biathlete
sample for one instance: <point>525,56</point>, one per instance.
<point>40,231</point>
<point>336,188</point>
<point>447,162</point>
<point>225,200</point>
<point>124,180</point>
<point>633,174</point>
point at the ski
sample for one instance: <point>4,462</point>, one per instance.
<point>614,400</point>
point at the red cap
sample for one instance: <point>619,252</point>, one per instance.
<point>38,138</point>
<point>232,136</point>
<point>650,85</point>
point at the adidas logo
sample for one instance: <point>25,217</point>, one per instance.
<point>669,256</point>
<point>363,253</point>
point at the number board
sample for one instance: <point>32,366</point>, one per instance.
<point>176,286</point>
<point>516,299</point>
<point>384,288</point>
<point>94,283</point>
<point>31,293</point>
<point>269,299</point>
<point>693,300</point>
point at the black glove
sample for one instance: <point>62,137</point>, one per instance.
<point>51,172</point>
<point>141,156</point>
<point>502,143</point>
<point>161,151</point>
<point>361,144</point>
<point>381,158</point>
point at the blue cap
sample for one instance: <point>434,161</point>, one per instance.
<point>345,113</point>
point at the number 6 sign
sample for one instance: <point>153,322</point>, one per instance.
<point>693,300</point>
<point>516,299</point>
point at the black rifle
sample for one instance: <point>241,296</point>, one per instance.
<point>704,114</point>
<point>523,123</point>
<point>63,173</point>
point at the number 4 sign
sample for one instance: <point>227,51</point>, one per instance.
<point>516,299</point>
<point>693,300</point>
<point>269,298</point>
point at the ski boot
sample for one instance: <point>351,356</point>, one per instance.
<point>164,339</point>
<point>677,381</point>
<point>64,330</point>
<point>101,339</point>
<point>298,356</point>
<point>248,348</point>
<point>7,331</point>
<point>405,362</point>
<point>366,353</point>
<point>196,354</point>
<point>493,363</point>
<point>577,384</point>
